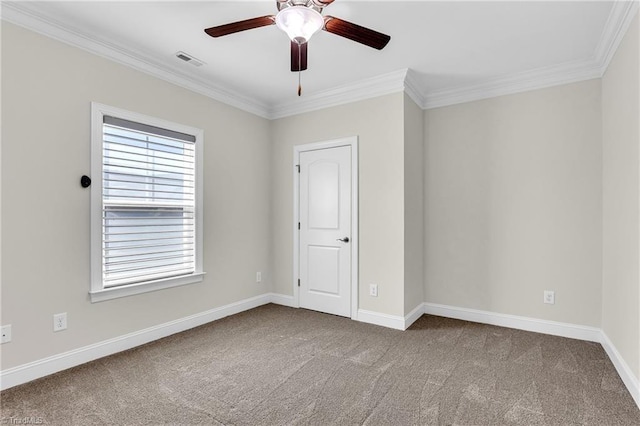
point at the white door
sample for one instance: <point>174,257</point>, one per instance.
<point>325,230</point>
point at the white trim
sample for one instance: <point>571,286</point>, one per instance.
<point>282,299</point>
<point>620,17</point>
<point>355,230</point>
<point>570,72</point>
<point>133,289</point>
<point>384,320</point>
<point>412,88</point>
<point>368,88</point>
<point>351,141</point>
<point>294,225</point>
<point>413,316</point>
<point>97,291</point>
<point>27,16</point>
<point>574,331</point>
<point>40,368</point>
<point>43,367</point>
<point>623,369</point>
<point>554,328</point>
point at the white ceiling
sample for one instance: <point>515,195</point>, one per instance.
<point>449,45</point>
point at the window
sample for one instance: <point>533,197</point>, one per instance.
<point>146,224</point>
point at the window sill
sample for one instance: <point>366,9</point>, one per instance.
<point>132,289</point>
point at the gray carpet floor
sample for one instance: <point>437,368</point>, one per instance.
<point>280,366</point>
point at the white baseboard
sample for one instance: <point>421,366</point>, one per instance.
<point>283,299</point>
<point>572,331</point>
<point>377,318</point>
<point>413,316</point>
<point>385,320</point>
<point>627,376</point>
<point>43,367</point>
<point>581,332</point>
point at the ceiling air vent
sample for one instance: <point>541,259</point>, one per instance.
<point>190,59</point>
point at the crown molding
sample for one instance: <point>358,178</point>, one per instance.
<point>24,15</point>
<point>381,85</point>
<point>618,22</point>
<point>540,78</point>
<point>620,17</point>
<point>412,88</point>
<point>393,82</point>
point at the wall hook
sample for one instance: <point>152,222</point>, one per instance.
<point>85,181</point>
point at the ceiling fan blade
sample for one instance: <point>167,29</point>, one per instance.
<point>235,27</point>
<point>298,56</point>
<point>355,32</point>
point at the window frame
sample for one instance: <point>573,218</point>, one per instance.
<point>98,291</point>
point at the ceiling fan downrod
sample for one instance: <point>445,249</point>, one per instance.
<point>299,72</point>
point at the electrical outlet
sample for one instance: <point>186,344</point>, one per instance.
<point>6,333</point>
<point>60,322</point>
<point>550,297</point>
<point>373,290</point>
<point>258,277</point>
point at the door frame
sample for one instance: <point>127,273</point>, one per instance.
<point>351,141</point>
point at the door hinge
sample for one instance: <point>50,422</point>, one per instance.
<point>298,282</point>
<point>298,166</point>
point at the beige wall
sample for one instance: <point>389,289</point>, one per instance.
<point>378,123</point>
<point>47,88</point>
<point>513,195</point>
<point>414,238</point>
<point>621,198</point>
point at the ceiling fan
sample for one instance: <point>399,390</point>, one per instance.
<point>300,19</point>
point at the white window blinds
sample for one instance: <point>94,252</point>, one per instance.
<point>148,203</point>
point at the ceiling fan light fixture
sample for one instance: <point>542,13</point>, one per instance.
<point>299,22</point>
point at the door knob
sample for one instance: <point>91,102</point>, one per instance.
<point>344,240</point>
